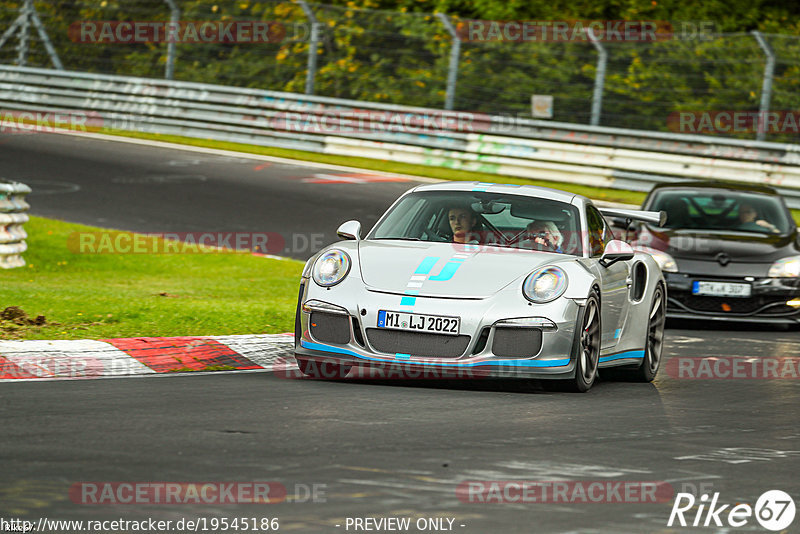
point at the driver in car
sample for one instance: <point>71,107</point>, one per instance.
<point>463,222</point>
<point>545,235</point>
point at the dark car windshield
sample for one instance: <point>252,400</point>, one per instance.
<point>719,209</point>
<point>484,218</point>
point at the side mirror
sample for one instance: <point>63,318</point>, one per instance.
<point>616,251</point>
<point>350,230</point>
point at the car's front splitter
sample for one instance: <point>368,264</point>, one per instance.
<point>768,302</point>
<point>432,367</point>
<point>383,367</point>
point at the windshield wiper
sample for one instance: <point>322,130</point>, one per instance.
<point>398,238</point>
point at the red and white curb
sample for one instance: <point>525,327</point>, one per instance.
<point>21,360</point>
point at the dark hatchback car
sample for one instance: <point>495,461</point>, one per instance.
<point>728,252</point>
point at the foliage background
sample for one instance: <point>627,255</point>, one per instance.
<point>397,51</point>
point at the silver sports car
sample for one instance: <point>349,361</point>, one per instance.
<point>481,279</point>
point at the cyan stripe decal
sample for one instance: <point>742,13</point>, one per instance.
<point>325,348</point>
<point>482,186</point>
<point>426,265</point>
<point>423,269</point>
<point>623,355</point>
<point>447,272</point>
<point>408,301</point>
<point>503,363</point>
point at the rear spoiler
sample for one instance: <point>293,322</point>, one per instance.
<point>658,218</point>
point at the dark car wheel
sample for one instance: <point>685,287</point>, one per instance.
<point>322,369</point>
<point>654,343</point>
<point>588,350</point>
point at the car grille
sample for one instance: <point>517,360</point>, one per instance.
<point>330,328</point>
<point>729,305</point>
<point>417,344</point>
<point>517,342</point>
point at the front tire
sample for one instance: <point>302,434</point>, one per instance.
<point>654,343</point>
<point>588,353</point>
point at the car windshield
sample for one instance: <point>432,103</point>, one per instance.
<point>719,209</point>
<point>484,218</point>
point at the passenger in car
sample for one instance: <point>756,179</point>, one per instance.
<point>545,235</point>
<point>678,215</point>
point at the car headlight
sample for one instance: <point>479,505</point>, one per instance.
<point>331,268</point>
<point>545,284</point>
<point>785,268</point>
<point>665,262</point>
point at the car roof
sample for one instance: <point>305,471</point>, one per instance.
<point>515,189</point>
<point>716,184</point>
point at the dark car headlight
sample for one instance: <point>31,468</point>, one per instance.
<point>331,268</point>
<point>665,262</point>
<point>785,268</point>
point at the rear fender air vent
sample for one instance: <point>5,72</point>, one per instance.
<point>639,281</point>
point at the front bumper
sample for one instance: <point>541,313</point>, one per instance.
<point>767,303</point>
<point>344,331</point>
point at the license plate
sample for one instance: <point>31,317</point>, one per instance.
<point>721,289</point>
<point>418,322</point>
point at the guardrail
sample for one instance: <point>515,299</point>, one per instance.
<point>12,235</point>
<point>590,155</point>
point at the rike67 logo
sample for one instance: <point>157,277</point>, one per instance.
<point>774,510</point>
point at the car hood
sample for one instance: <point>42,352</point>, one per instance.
<point>445,269</point>
<point>742,247</point>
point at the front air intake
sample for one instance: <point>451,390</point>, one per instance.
<point>330,328</point>
<point>517,342</point>
<point>417,344</point>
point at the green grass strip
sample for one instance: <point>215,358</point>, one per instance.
<point>93,296</point>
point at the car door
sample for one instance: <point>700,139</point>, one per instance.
<point>613,281</point>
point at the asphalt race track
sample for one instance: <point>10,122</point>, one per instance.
<point>143,189</point>
<point>377,448</point>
